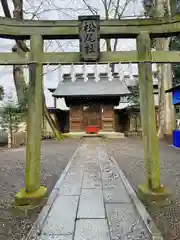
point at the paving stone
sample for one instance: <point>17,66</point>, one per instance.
<point>106,165</point>
<point>125,223</point>
<point>78,163</point>
<point>72,182</point>
<point>75,172</point>
<point>113,188</point>
<point>91,204</point>
<point>91,158</point>
<point>95,162</point>
<point>61,218</point>
<point>70,189</point>
<point>55,237</point>
<point>116,194</point>
<point>92,180</point>
<point>112,179</point>
<point>110,173</point>
<point>91,229</point>
<point>92,167</point>
<point>112,183</point>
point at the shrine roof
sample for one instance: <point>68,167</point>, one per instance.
<point>91,87</point>
<point>177,87</point>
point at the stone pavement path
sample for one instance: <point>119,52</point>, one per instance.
<point>91,202</point>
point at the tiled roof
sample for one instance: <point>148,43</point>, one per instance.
<point>104,87</point>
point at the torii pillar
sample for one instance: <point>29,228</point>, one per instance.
<point>34,193</point>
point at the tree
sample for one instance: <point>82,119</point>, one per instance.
<point>158,8</point>
<point>18,73</point>
<point>12,115</point>
<point>175,46</point>
<point>1,93</point>
<point>133,99</point>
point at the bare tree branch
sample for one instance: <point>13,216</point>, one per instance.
<point>7,13</point>
<point>90,8</point>
<point>120,14</point>
<point>6,8</point>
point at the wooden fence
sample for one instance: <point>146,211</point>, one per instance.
<point>3,138</point>
<point>19,138</point>
<point>133,133</point>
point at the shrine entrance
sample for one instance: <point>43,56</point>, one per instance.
<point>89,30</point>
<point>92,116</point>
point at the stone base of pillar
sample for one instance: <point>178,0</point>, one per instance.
<point>160,196</point>
<point>23,198</point>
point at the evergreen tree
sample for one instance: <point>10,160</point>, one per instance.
<point>133,99</point>
<point>12,115</point>
<point>1,93</point>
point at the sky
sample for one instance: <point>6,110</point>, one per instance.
<point>57,10</point>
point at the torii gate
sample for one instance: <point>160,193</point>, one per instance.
<point>140,29</point>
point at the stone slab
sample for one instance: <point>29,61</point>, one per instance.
<point>116,194</point>
<point>92,180</point>
<point>112,183</point>
<point>55,237</point>
<point>91,229</point>
<point>91,204</point>
<point>72,182</point>
<point>78,163</point>
<point>125,223</point>
<point>70,189</point>
<point>74,172</point>
<point>110,173</point>
<point>61,218</point>
<point>90,159</point>
<point>92,167</point>
<point>106,165</point>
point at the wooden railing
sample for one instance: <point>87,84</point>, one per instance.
<point>133,133</point>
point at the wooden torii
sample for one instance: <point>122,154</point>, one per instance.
<point>140,29</point>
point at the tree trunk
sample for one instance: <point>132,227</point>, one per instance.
<point>10,131</point>
<point>51,122</point>
<point>18,72</point>
<point>48,117</point>
<point>161,101</point>
<point>19,82</point>
<point>166,119</point>
<point>168,107</point>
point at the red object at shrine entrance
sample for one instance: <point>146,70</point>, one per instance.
<point>92,129</point>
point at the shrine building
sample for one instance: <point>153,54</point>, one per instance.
<point>101,103</point>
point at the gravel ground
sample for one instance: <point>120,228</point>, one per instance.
<point>54,158</point>
<point>129,156</point>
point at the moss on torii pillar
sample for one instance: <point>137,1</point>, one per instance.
<point>152,190</point>
<point>33,193</point>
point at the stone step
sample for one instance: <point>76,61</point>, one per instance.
<point>100,134</point>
